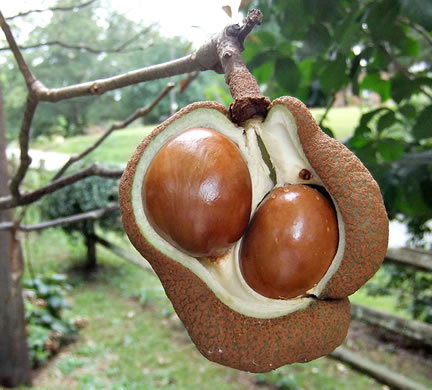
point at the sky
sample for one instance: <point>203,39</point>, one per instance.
<point>196,20</point>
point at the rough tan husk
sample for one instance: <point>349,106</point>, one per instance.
<point>260,345</point>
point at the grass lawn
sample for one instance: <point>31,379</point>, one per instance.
<point>134,340</point>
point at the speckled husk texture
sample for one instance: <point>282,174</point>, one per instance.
<point>260,345</point>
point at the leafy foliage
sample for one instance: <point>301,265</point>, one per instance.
<point>47,326</point>
<point>411,287</point>
<point>86,195</point>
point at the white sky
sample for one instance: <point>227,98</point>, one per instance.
<point>196,20</point>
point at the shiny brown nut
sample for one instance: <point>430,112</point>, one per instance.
<point>197,193</point>
<point>290,243</point>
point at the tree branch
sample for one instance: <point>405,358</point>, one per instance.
<point>400,68</point>
<point>119,49</point>
<point>416,27</point>
<point>7,202</point>
<point>24,137</point>
<point>141,112</point>
<point>71,8</point>
<point>330,104</point>
<point>248,100</point>
<point>139,261</point>
<point>24,68</point>
<point>94,214</point>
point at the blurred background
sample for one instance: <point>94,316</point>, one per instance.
<point>364,70</point>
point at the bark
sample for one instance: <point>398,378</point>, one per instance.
<point>90,241</point>
<point>377,371</point>
<point>14,362</point>
<point>417,258</point>
<point>414,330</point>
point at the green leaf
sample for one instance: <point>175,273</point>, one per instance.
<point>423,126</point>
<point>317,39</point>
<point>374,82</point>
<point>292,21</point>
<point>385,121</point>
<point>265,38</point>
<point>263,73</point>
<point>381,18</point>
<point>390,149</point>
<point>306,68</point>
<point>419,11</point>
<point>408,111</point>
<point>409,47</point>
<point>333,76</point>
<point>401,88</point>
<point>287,74</point>
<point>328,131</point>
<point>367,117</point>
<point>361,138</point>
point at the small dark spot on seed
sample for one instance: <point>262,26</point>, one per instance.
<point>304,174</point>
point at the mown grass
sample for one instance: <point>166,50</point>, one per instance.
<point>134,340</point>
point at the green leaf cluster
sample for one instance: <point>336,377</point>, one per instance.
<point>89,194</point>
<point>47,325</point>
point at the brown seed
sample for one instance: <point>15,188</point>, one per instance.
<point>290,243</point>
<point>197,193</point>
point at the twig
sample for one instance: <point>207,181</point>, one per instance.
<point>122,253</point>
<point>327,109</point>
<point>419,29</point>
<point>78,6</point>
<point>24,137</point>
<point>248,100</point>
<point>400,68</point>
<point>186,81</point>
<point>7,202</point>
<point>89,49</point>
<point>141,112</point>
<point>94,214</point>
<point>24,68</point>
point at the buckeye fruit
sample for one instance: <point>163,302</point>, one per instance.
<point>258,233</point>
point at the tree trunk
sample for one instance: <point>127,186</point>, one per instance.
<point>14,360</point>
<point>90,240</point>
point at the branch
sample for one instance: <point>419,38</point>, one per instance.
<point>94,214</point>
<point>119,49</point>
<point>248,100</point>
<point>98,87</point>
<point>141,112</point>
<point>24,137</point>
<point>330,104</point>
<point>7,202</point>
<point>71,8</point>
<point>400,68</point>
<point>419,29</point>
<point>140,262</point>
<point>24,68</point>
